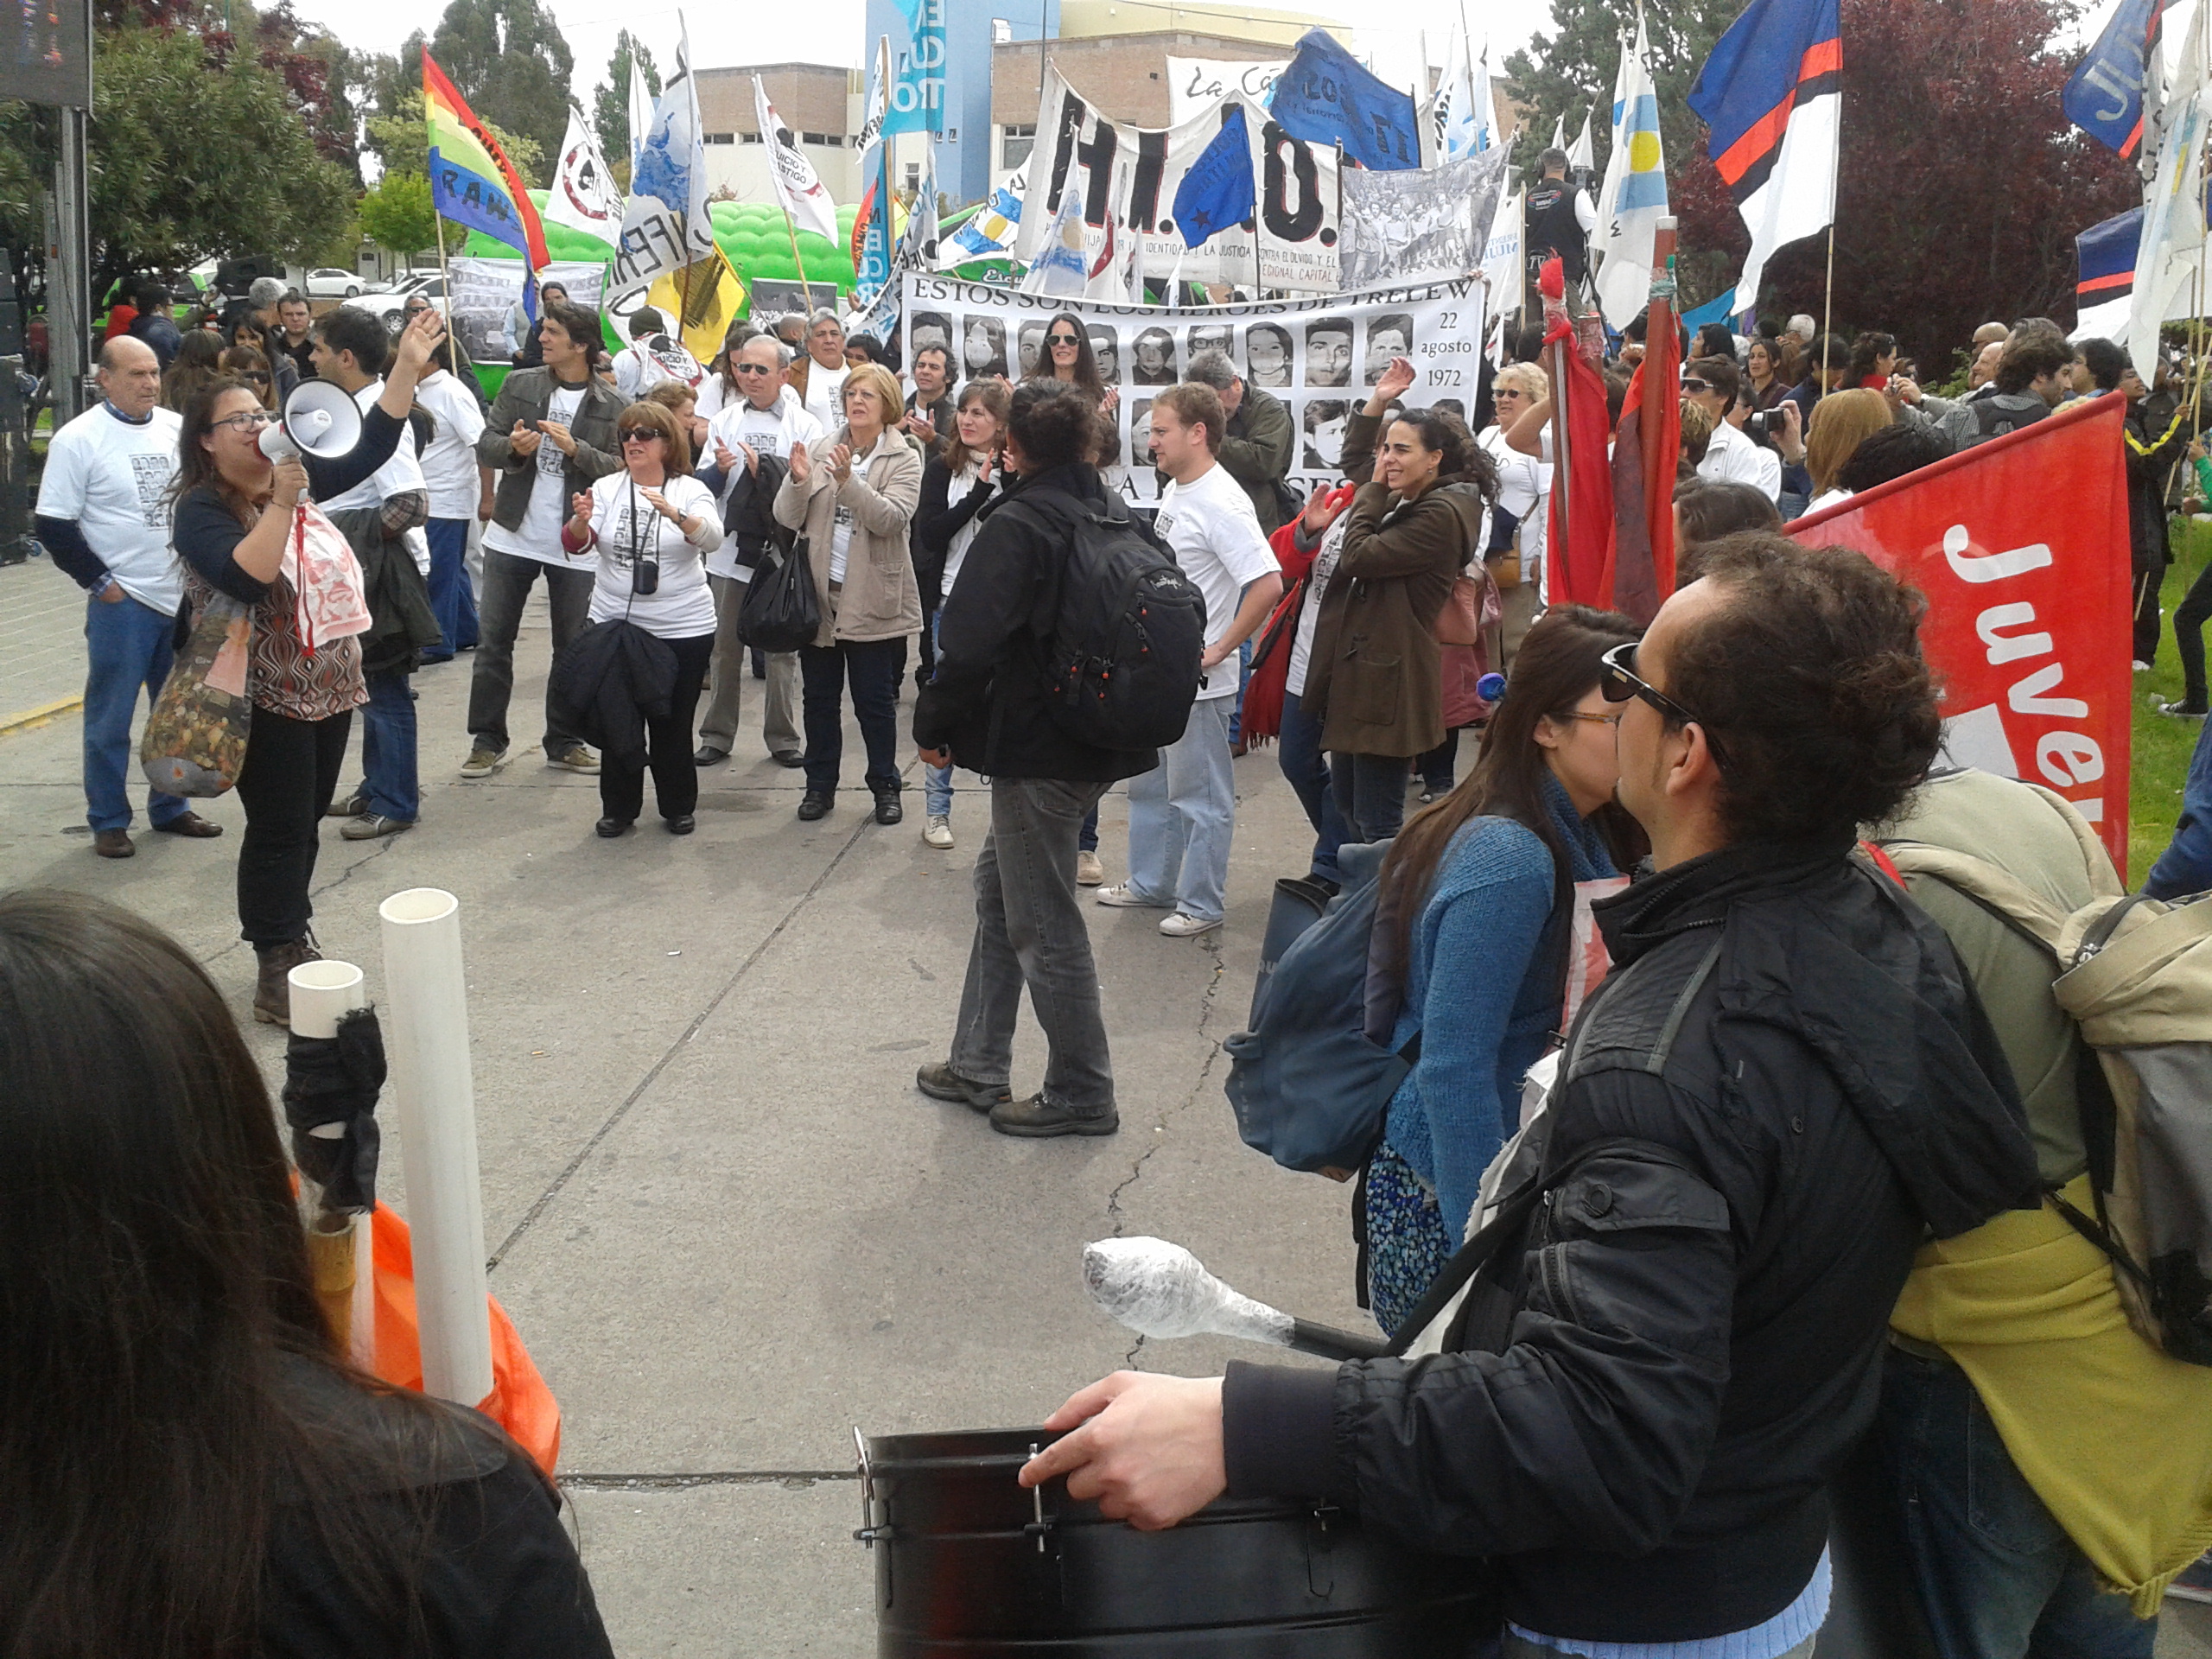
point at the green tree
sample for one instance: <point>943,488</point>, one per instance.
<point>163,193</point>
<point>396,214</point>
<point>509,59</point>
<point>610,103</point>
<point>1563,73</point>
<point>402,143</point>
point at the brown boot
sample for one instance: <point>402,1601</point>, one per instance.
<point>272,991</point>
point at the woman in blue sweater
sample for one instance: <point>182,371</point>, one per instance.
<point>1477,899</point>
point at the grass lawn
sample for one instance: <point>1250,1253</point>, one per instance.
<point>2163,746</point>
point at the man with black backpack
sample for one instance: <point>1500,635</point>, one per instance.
<point>996,705</point>
<point>1673,1332</point>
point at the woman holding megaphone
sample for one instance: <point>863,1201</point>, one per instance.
<point>232,528</point>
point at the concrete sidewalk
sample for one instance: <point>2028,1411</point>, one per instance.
<point>41,643</point>
<point>725,1223</point>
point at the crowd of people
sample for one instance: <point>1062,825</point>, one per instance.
<point>1753,1231</point>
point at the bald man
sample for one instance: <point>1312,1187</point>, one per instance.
<point>104,514</point>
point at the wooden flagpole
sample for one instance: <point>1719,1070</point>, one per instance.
<point>1828,313</point>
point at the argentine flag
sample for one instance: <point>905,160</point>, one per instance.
<point>1635,195</point>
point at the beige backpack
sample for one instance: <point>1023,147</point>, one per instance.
<point>2135,974</point>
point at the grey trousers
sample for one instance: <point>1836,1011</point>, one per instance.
<point>1029,931</point>
<point>779,722</point>
<point>508,578</point>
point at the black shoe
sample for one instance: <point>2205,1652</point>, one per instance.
<point>707,757</point>
<point>2183,709</point>
<point>940,1082</point>
<point>610,828</point>
<point>1038,1118</point>
<point>684,825</point>
<point>791,757</point>
<point>887,810</point>
<point>816,803</point>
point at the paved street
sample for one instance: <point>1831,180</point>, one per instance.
<point>726,1224</point>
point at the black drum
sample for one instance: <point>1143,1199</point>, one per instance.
<point>967,1563</point>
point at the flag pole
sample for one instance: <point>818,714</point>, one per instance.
<point>1827,306</point>
<point>806,297</point>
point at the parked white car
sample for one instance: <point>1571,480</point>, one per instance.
<point>391,309</point>
<point>329,282</point>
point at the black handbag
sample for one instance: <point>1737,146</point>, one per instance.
<point>779,611</point>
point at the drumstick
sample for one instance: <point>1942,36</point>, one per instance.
<point>1159,1289</point>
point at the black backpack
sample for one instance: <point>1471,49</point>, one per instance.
<point>1120,668</point>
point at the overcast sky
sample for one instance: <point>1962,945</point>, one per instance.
<point>829,31</point>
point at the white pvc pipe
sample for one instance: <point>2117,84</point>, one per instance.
<point>426,1040</point>
<point>321,991</point>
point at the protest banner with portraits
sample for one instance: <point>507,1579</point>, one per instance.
<point>1318,356</point>
<point>485,292</point>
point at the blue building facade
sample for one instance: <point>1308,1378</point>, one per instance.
<point>964,147</point>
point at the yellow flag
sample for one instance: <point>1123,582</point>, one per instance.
<point>705,296</point>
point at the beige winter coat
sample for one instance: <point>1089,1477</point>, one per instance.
<point>879,598</point>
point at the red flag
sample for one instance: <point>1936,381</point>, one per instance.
<point>1581,534</point>
<point>2020,545</point>
<point>1647,446</point>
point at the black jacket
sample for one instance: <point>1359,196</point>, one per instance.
<point>607,682</point>
<point>2156,438</point>
<point>748,516</point>
<point>986,701</point>
<point>402,625</point>
<point>939,518</point>
<point>1693,1325</point>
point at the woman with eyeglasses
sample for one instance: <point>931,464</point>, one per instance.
<point>653,525</point>
<point>1068,357</point>
<point>853,497</point>
<point>244,364</point>
<point>232,530</point>
<point>1474,922</point>
<point>248,334</point>
<point>1520,518</point>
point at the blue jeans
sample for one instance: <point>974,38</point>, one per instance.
<point>1183,816</point>
<point>1306,771</point>
<point>128,645</point>
<point>936,781</point>
<point>2186,865</point>
<point>452,600</point>
<point>1244,680</point>
<point>388,749</point>
<point>874,667</point>
<point>1998,1578</point>
<point>1370,792</point>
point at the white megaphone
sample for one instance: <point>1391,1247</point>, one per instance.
<point>320,420</point>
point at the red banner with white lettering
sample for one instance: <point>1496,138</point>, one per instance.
<point>2020,545</point>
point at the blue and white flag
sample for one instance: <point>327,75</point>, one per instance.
<point>989,233</point>
<point>1635,186</point>
<point>2104,95</point>
<point>1326,97</point>
<point>917,97</point>
<point>1061,267</point>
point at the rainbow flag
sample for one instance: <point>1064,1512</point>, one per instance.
<point>472,181</point>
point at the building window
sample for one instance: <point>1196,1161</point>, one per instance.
<point>720,138</point>
<point>748,137</point>
<point>814,137</point>
<point>1014,145</point>
<point>835,141</point>
<point>913,175</point>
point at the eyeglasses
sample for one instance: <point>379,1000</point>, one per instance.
<point>252,420</point>
<point>1600,719</point>
<point>1618,682</point>
<point>1504,392</point>
<point>1062,340</point>
<point>1697,385</point>
<point>750,368</point>
<point>255,375</point>
<point>639,433</point>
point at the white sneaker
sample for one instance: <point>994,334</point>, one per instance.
<point>1184,925</point>
<point>1125,897</point>
<point>1089,872</point>
<point>937,832</point>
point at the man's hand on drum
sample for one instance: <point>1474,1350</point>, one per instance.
<point>1147,1448</point>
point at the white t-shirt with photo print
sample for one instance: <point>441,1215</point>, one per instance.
<point>629,528</point>
<point>1209,525</point>
<point>111,476</point>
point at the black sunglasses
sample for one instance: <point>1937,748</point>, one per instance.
<point>1619,681</point>
<point>629,432</point>
<point>1697,385</point>
<point>1063,339</point>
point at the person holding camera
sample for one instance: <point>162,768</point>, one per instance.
<point>1731,456</point>
<point>653,525</point>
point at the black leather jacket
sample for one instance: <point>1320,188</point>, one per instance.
<point>1782,1086</point>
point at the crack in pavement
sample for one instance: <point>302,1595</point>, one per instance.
<point>1206,1004</point>
<point>553,1191</point>
<point>673,1483</point>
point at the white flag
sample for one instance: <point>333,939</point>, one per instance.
<point>666,223</point>
<point>1558,132</point>
<point>641,108</point>
<point>798,193</point>
<point>1482,106</point>
<point>583,196</point>
<point>1635,186</point>
<point>1457,117</point>
<point>1582,157</point>
<point>2173,208</point>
